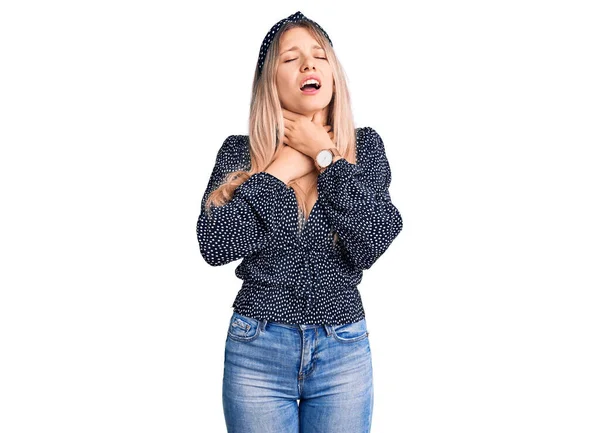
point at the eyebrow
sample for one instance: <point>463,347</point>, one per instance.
<point>296,48</point>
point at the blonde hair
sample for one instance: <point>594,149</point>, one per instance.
<point>266,119</point>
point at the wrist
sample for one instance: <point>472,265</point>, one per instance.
<point>333,161</point>
<point>322,161</point>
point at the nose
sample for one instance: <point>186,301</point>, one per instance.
<point>309,62</point>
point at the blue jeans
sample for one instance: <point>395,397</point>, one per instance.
<point>287,378</point>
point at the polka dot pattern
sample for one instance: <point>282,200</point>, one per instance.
<point>292,272</point>
<point>298,16</point>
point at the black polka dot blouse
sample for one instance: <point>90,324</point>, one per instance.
<point>293,272</point>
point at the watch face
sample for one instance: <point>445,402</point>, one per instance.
<point>324,158</point>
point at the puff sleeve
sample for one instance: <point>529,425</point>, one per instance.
<point>241,226</point>
<point>357,202</point>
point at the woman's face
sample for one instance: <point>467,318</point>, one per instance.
<point>300,56</point>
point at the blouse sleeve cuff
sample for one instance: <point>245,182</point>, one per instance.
<point>337,184</point>
<point>266,195</point>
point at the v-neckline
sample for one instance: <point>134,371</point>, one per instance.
<point>312,211</point>
<point>301,227</point>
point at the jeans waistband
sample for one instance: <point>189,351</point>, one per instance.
<point>262,323</point>
<point>294,325</point>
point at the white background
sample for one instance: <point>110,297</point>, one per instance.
<point>484,312</point>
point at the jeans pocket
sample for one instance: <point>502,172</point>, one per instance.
<point>243,328</point>
<point>350,332</point>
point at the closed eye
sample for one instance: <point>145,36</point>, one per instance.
<point>291,60</point>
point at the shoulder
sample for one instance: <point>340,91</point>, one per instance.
<point>371,152</point>
<point>233,143</point>
<point>368,143</point>
<point>368,136</point>
<point>234,152</point>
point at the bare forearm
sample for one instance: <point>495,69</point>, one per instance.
<point>279,171</point>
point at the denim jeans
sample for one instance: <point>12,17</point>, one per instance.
<point>288,378</point>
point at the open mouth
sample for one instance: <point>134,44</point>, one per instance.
<point>310,89</point>
<point>311,85</point>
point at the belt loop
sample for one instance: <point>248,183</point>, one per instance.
<point>263,324</point>
<point>328,329</point>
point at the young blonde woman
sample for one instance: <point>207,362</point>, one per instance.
<point>304,201</point>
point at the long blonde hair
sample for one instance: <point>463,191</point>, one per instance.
<point>266,119</point>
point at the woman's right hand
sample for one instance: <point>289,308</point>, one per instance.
<point>289,164</point>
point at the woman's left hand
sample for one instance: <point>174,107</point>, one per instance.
<point>306,135</point>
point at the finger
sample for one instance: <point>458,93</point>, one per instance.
<point>289,124</point>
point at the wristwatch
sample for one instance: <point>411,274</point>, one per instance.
<point>325,157</point>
